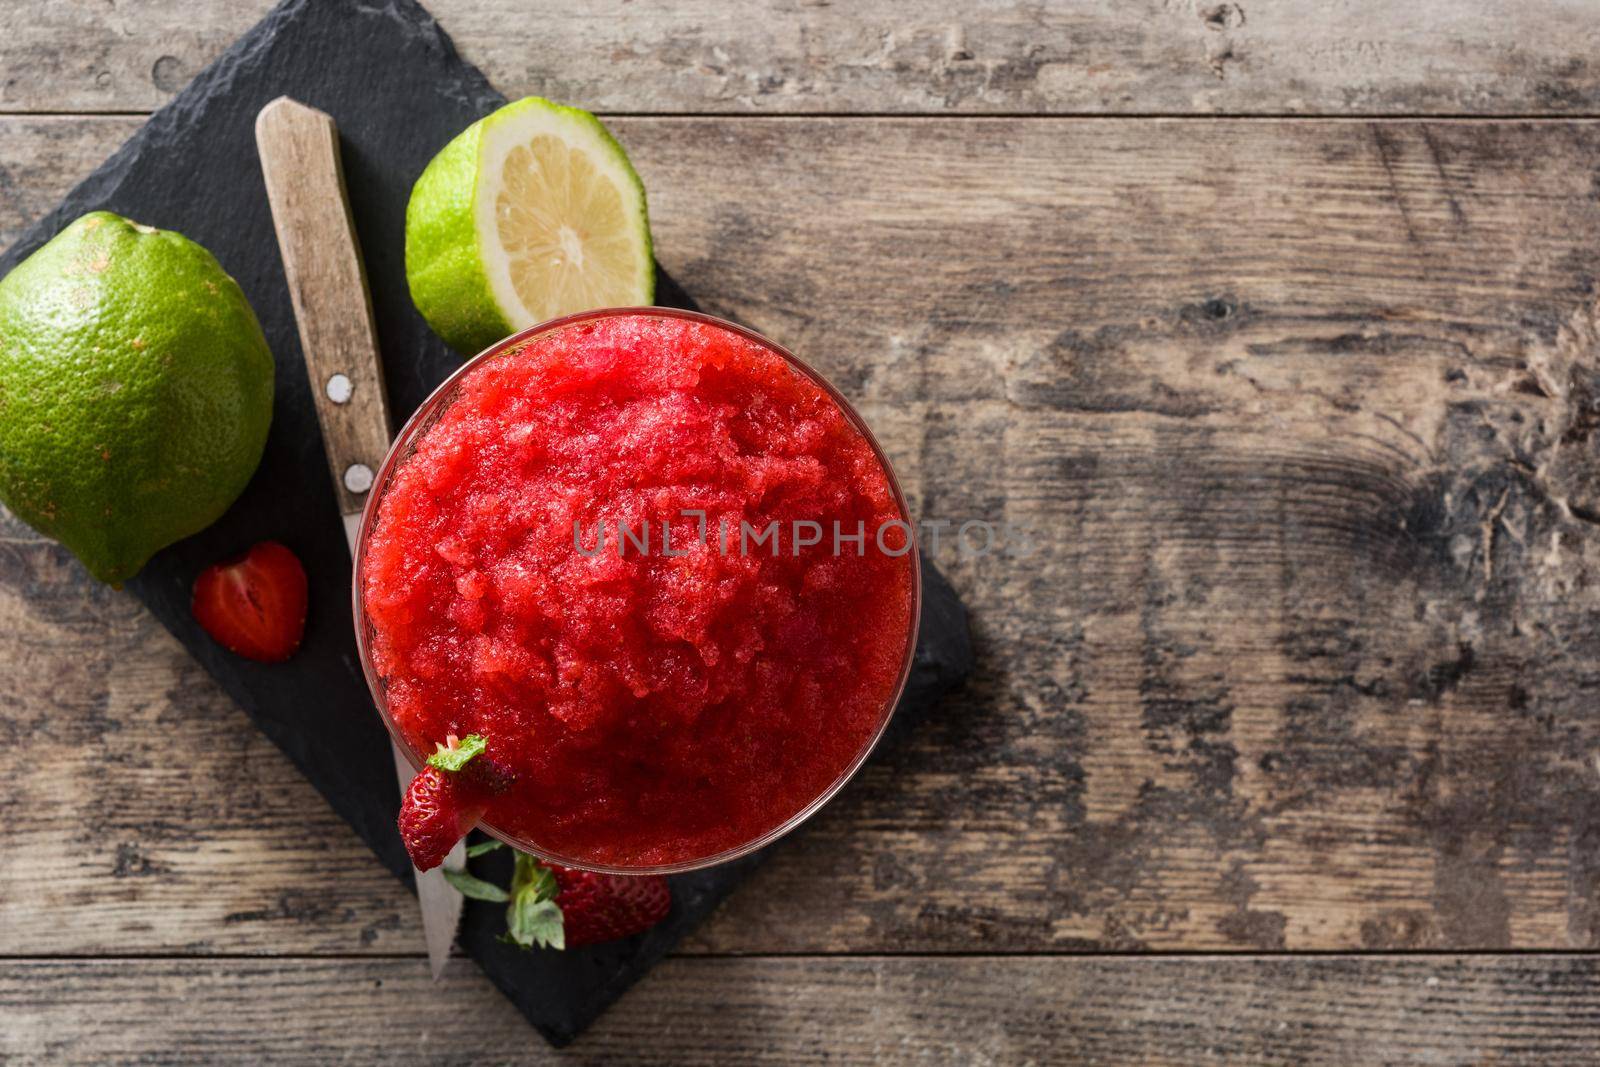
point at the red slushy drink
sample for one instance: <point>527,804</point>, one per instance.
<point>659,569</point>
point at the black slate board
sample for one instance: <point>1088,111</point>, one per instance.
<point>392,81</point>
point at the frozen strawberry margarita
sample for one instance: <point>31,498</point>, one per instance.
<point>657,571</point>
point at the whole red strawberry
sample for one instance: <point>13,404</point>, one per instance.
<point>608,907</point>
<point>254,605</point>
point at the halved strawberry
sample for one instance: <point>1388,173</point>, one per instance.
<point>438,809</point>
<point>608,907</point>
<point>254,605</point>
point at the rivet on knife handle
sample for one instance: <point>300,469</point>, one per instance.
<point>305,184</point>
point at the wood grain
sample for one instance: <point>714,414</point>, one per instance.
<point>41,158</point>
<point>1470,57</point>
<point>986,1010</point>
<point>149,813</point>
<point>1302,414</point>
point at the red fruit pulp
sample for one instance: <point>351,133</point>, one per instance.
<point>650,708</point>
<point>254,605</point>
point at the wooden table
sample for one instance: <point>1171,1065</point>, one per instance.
<point>1284,745</point>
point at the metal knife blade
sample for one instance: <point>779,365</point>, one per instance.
<point>299,149</point>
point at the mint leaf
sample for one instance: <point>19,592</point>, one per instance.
<point>453,759</point>
<point>475,888</point>
<point>535,923</point>
<point>483,848</point>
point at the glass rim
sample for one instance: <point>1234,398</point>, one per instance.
<point>401,447</point>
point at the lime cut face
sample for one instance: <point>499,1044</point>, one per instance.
<point>529,214</point>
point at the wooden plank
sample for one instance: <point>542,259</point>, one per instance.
<point>41,158</point>
<point>1472,57</point>
<point>1302,415</point>
<point>810,1010</point>
<point>191,832</point>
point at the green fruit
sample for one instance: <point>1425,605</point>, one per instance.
<point>529,214</point>
<point>135,391</point>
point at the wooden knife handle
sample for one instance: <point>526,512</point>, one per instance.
<point>299,149</point>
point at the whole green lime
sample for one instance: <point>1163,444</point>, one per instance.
<point>135,391</point>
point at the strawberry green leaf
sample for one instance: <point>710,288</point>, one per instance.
<point>475,888</point>
<point>483,848</point>
<point>535,923</point>
<point>534,919</point>
<point>453,759</point>
<point>531,875</point>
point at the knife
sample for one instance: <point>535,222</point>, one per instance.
<point>299,149</point>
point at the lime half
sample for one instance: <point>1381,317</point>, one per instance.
<point>530,213</point>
